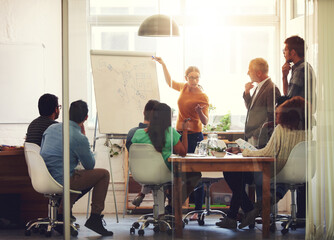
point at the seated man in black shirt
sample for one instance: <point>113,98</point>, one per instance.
<point>49,111</point>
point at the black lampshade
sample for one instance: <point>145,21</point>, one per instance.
<point>158,26</point>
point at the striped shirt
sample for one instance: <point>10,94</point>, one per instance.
<point>36,129</point>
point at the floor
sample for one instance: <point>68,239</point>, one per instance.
<point>191,231</point>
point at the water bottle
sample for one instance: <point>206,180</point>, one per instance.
<point>212,142</point>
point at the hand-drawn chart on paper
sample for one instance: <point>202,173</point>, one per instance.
<point>123,83</point>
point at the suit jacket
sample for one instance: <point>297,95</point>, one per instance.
<point>261,110</point>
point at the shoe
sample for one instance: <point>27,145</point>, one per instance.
<point>249,218</point>
<point>138,200</point>
<point>227,222</point>
<point>194,217</point>
<point>95,223</point>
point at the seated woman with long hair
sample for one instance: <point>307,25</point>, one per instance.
<point>166,140</point>
<point>290,130</point>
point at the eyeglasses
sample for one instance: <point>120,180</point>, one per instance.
<point>59,106</point>
<point>193,78</point>
<point>285,50</point>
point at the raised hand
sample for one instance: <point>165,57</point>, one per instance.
<point>248,87</point>
<point>286,69</point>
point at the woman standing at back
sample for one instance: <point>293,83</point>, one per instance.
<point>193,104</point>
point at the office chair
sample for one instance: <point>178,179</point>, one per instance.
<point>294,174</point>
<point>44,183</point>
<point>148,167</point>
<point>208,178</point>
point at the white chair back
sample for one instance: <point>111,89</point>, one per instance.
<point>294,171</point>
<point>41,179</point>
<point>147,165</point>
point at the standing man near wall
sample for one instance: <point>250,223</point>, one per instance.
<point>49,111</point>
<point>297,86</point>
<point>301,82</point>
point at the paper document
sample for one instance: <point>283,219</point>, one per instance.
<point>245,145</point>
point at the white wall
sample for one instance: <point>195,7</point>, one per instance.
<point>32,21</point>
<point>39,21</point>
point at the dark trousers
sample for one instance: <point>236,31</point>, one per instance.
<point>198,193</point>
<point>237,182</point>
<point>301,201</point>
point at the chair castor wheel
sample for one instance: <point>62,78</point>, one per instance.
<point>201,221</point>
<point>42,230</point>
<point>169,232</point>
<point>136,225</point>
<point>48,234</point>
<point>156,229</point>
<point>141,232</point>
<point>132,230</point>
<point>251,226</point>
<point>27,232</point>
<point>272,227</point>
<point>284,231</point>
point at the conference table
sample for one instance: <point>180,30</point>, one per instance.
<point>231,163</point>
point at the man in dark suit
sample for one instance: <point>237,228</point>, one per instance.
<point>261,104</point>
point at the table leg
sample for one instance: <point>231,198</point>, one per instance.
<point>266,200</point>
<point>177,200</point>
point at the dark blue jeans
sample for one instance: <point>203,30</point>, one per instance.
<point>193,139</point>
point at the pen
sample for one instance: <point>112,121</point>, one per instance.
<point>153,57</point>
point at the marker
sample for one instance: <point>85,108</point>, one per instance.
<point>153,57</point>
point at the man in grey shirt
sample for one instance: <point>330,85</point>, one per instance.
<point>302,78</point>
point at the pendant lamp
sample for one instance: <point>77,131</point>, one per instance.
<point>158,26</point>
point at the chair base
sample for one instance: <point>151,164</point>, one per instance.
<point>45,225</point>
<point>207,211</point>
<point>161,221</point>
<point>164,223</point>
<point>202,214</point>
